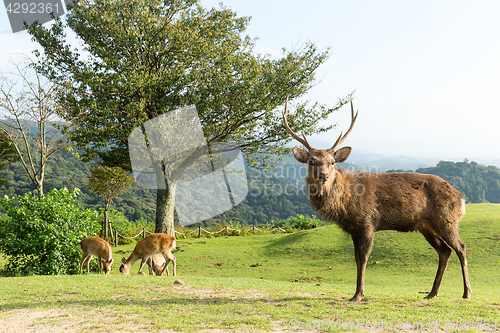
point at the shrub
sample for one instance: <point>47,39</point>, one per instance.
<point>299,222</point>
<point>42,234</point>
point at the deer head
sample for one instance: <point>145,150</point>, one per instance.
<point>320,163</point>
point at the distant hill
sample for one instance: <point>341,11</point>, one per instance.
<point>478,183</point>
<point>64,170</point>
<point>272,195</point>
<point>380,163</point>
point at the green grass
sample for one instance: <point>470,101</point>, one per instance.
<point>248,283</point>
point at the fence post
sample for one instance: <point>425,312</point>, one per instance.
<point>199,231</point>
<point>143,232</point>
<point>253,229</point>
<point>116,238</point>
<point>227,231</point>
<point>111,230</point>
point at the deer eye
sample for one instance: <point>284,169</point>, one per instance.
<point>311,162</point>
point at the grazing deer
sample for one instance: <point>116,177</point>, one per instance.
<point>361,203</point>
<point>95,246</point>
<point>153,244</point>
<point>156,263</point>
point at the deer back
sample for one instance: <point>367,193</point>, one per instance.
<point>153,244</point>
<point>97,247</point>
<point>388,201</point>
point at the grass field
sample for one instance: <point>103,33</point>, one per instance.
<point>275,282</point>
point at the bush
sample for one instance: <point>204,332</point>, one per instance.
<point>299,222</point>
<point>42,234</point>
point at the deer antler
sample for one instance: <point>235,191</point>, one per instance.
<point>342,138</point>
<point>304,141</point>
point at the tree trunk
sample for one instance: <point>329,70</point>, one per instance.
<point>40,188</point>
<point>165,207</point>
<point>40,180</point>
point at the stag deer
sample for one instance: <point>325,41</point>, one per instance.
<point>361,203</point>
<point>95,246</point>
<point>153,244</point>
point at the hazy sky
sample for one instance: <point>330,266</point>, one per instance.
<point>426,73</point>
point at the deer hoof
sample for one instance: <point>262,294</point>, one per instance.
<point>430,296</point>
<point>355,299</point>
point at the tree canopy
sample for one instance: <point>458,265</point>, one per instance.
<point>108,183</point>
<point>8,153</point>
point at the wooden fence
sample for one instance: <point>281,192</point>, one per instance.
<point>199,231</point>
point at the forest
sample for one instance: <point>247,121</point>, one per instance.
<point>478,183</point>
<point>266,199</point>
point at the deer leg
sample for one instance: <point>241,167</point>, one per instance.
<point>444,252</point>
<point>151,264</point>
<point>143,262</point>
<point>363,244</point>
<point>84,257</point>
<point>81,263</point>
<point>456,244</point>
<point>87,262</point>
<point>167,262</point>
<point>169,257</point>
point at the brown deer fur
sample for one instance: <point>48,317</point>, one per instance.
<point>95,246</point>
<point>362,203</point>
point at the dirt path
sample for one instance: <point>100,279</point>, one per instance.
<point>59,321</point>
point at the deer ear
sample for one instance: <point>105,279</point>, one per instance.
<point>342,154</point>
<point>111,261</point>
<point>124,261</point>
<point>300,154</point>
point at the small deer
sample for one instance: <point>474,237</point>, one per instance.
<point>95,246</point>
<point>156,263</point>
<point>361,203</point>
<point>153,244</point>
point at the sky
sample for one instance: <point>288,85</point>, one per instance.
<point>426,74</point>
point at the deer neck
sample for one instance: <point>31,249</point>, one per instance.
<point>108,255</point>
<point>331,197</point>
<point>131,260</point>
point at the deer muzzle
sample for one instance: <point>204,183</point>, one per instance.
<point>323,176</point>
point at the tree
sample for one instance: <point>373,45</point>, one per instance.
<point>29,106</point>
<point>8,153</point>
<point>146,58</point>
<point>108,183</point>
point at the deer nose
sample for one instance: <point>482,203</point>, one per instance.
<point>323,176</point>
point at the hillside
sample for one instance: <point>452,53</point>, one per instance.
<point>64,170</point>
<point>271,195</point>
<point>478,183</point>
